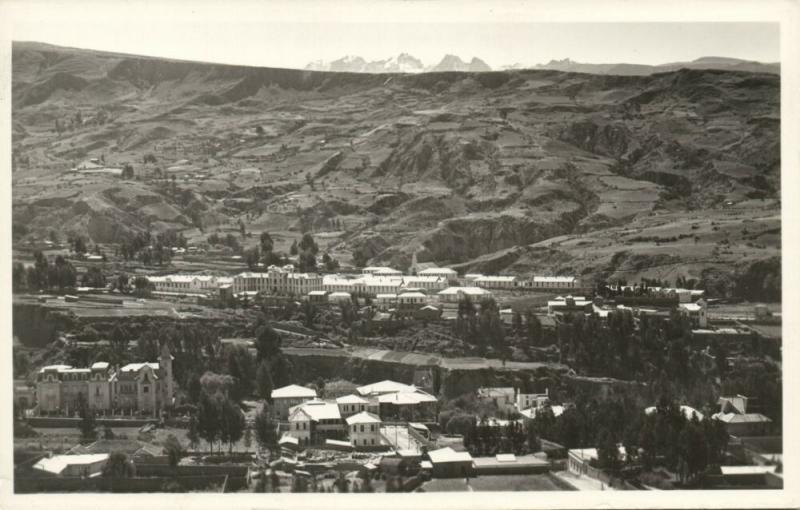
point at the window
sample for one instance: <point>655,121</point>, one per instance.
<point>146,389</point>
<point>373,441</point>
<point>362,428</point>
<point>97,391</point>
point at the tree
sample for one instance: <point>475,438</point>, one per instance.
<point>534,327</point>
<point>293,249</point>
<point>247,441</point>
<point>232,421</point>
<point>142,286</point>
<point>607,451</point>
<point>21,364</point>
<point>342,484</point>
<point>266,428</point>
<point>309,314</point>
<point>268,342</point>
<point>94,277</point>
<point>241,367</point>
<point>308,244</point>
<point>79,245</point>
<point>259,131</point>
<point>88,424</point>
<point>193,435</point>
<point>331,264</point>
<point>208,419</point>
<point>252,257</point>
<point>174,450</point>
<point>127,171</point>
<point>299,483</point>
<point>307,262</point>
<point>264,380</point>
<point>360,258</point>
<point>119,466</point>
<point>266,243</point>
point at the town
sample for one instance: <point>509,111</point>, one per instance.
<point>544,393</point>
<point>232,272</point>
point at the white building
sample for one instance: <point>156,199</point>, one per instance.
<point>386,301</point>
<point>381,271</point>
<point>496,282</point>
<point>364,429</point>
<point>428,283</point>
<point>696,312</point>
<point>86,466</point>
<point>458,294</point>
<point>569,304</point>
<point>503,398</point>
<point>399,400</point>
<point>289,396</point>
<point>552,283</point>
<point>439,272</point>
<point>532,400</point>
<point>411,300</point>
<point>135,388</point>
<point>339,297</point>
<point>278,281</point>
<point>188,283</point>
<point>314,421</point>
<point>354,404</point>
<point>367,285</point>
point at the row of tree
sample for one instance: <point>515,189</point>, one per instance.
<point>44,274</point>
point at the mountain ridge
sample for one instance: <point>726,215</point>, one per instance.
<point>525,170</point>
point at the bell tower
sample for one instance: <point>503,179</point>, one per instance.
<point>167,380</point>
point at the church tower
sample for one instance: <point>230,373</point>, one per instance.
<point>167,380</point>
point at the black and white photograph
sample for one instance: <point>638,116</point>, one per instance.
<point>474,254</point>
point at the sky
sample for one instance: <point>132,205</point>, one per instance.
<point>276,34</point>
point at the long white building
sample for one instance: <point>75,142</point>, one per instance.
<point>279,281</point>
<point>552,283</point>
<point>188,283</point>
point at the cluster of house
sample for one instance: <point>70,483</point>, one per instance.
<point>133,389</point>
<point>509,399</point>
<point>391,290</point>
<point>356,418</point>
<point>695,311</point>
<point>733,414</point>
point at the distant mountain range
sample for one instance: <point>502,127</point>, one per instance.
<point>722,63</point>
<point>405,63</point>
<point>402,63</point>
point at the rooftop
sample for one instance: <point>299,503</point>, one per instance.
<point>385,386</point>
<point>351,399</point>
<point>469,291</point>
<point>318,410</point>
<point>293,391</point>
<point>437,271</point>
<point>363,417</point>
<point>445,455</point>
<point>554,279</point>
<point>58,463</point>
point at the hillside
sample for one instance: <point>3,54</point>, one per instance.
<point>675,173</point>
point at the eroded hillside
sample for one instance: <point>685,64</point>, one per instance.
<point>673,174</point>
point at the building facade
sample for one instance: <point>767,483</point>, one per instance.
<point>364,429</point>
<point>142,388</point>
<point>287,397</point>
<point>282,281</point>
